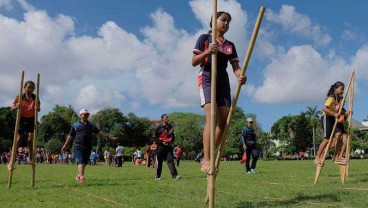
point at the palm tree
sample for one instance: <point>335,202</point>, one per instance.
<point>313,114</point>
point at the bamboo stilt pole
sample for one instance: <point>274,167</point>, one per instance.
<point>14,148</point>
<point>344,167</point>
<point>319,168</point>
<point>35,130</point>
<point>211,176</point>
<point>238,88</point>
<point>342,171</point>
<point>350,119</point>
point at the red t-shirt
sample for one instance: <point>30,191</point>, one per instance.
<point>178,152</point>
<point>28,106</point>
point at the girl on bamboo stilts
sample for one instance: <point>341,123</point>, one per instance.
<point>27,117</point>
<point>330,114</point>
<point>226,52</point>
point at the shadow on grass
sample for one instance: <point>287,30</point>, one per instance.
<point>325,200</point>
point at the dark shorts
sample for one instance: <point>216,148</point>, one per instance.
<point>223,97</point>
<point>82,154</point>
<point>26,125</point>
<point>328,123</point>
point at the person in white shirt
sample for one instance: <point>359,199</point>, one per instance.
<point>137,154</point>
<point>119,155</point>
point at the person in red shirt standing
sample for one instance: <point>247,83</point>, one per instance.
<point>28,109</point>
<point>164,134</point>
<point>152,155</point>
<point>178,150</point>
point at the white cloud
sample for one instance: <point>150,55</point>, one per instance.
<point>299,24</point>
<point>249,89</point>
<point>352,34</point>
<point>96,98</point>
<point>300,75</point>
<point>118,69</point>
<point>25,5</point>
<point>94,72</point>
<point>360,63</point>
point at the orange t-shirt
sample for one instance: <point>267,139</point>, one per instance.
<point>28,106</point>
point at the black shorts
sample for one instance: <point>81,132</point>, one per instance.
<point>328,123</point>
<point>223,97</point>
<point>26,125</point>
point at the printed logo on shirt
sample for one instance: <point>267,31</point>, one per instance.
<point>30,105</point>
<point>336,106</point>
<point>225,49</point>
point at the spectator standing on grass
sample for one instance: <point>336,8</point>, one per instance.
<point>199,157</point>
<point>152,155</point>
<point>81,132</point>
<point>107,157</point>
<point>119,155</point>
<point>137,155</point>
<point>4,159</point>
<point>248,139</point>
<point>178,150</point>
<point>164,135</point>
<point>92,158</point>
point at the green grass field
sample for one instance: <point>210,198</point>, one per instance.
<point>276,184</point>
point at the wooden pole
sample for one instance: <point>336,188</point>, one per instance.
<point>350,119</point>
<point>211,176</point>
<point>319,167</point>
<point>15,146</point>
<point>343,167</point>
<point>238,88</point>
<point>37,103</point>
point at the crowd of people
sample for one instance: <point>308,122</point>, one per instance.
<point>42,157</point>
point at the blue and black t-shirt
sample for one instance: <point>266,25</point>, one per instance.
<point>82,133</point>
<point>248,135</point>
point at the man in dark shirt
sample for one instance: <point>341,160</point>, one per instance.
<point>81,132</point>
<point>250,146</point>
<point>164,135</point>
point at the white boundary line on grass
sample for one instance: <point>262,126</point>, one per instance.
<point>262,197</point>
<point>282,199</point>
<point>88,194</point>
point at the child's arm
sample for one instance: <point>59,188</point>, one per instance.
<point>15,105</point>
<point>198,58</point>
<point>329,112</point>
<point>242,79</point>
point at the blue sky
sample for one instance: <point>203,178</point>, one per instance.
<point>136,55</point>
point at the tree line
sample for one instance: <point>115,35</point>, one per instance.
<point>295,133</point>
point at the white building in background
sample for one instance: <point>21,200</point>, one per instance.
<point>365,123</point>
<point>363,126</point>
